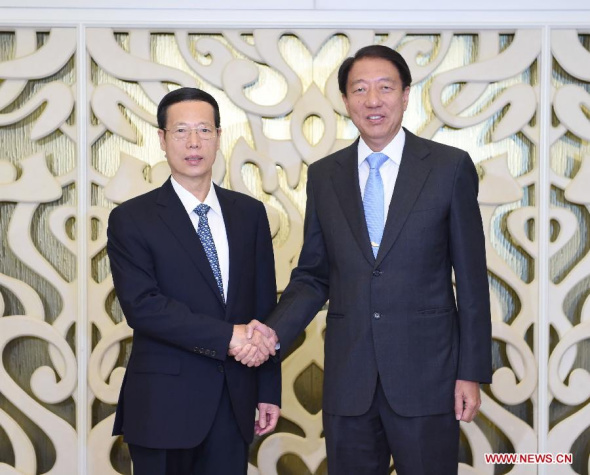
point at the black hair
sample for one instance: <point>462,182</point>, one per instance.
<point>375,51</point>
<point>182,95</point>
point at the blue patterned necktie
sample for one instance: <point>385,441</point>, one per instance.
<point>373,200</point>
<point>204,232</point>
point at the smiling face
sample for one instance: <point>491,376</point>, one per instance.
<point>191,160</point>
<point>376,100</point>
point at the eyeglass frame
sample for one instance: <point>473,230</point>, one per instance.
<point>190,129</point>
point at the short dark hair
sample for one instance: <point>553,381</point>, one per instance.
<point>375,51</point>
<point>182,95</point>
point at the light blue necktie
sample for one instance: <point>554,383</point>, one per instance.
<point>204,232</point>
<point>373,200</point>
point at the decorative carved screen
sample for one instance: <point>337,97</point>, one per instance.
<point>77,139</point>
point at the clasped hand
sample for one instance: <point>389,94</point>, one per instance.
<point>252,344</point>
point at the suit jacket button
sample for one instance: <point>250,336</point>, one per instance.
<point>212,352</point>
<point>220,368</point>
<point>376,315</point>
<point>207,352</point>
<point>377,273</point>
<point>195,349</point>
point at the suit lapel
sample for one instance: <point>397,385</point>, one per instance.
<point>231,218</point>
<point>174,216</point>
<point>413,171</point>
<point>345,180</point>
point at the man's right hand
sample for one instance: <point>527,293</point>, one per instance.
<point>252,344</point>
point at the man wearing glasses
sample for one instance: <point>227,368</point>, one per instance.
<point>192,263</point>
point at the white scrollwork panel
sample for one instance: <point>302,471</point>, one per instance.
<point>491,101</point>
<point>281,111</point>
<point>38,377</point>
<point>569,361</point>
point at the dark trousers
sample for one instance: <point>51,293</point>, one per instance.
<point>223,452</point>
<point>363,445</point>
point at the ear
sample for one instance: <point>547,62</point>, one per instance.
<point>217,138</point>
<point>162,136</point>
<point>345,100</point>
<point>406,97</point>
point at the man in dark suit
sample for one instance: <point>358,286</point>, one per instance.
<point>192,263</point>
<point>388,220</point>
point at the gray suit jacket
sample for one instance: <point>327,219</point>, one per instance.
<point>394,316</point>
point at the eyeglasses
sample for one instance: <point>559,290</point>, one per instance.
<point>205,132</point>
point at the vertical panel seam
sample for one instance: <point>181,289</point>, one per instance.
<point>544,194</point>
<point>82,329</point>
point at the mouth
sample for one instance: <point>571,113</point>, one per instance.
<point>193,158</point>
<point>375,117</point>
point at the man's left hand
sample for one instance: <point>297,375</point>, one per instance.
<point>467,400</point>
<point>268,416</point>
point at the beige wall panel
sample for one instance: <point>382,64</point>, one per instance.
<point>280,112</point>
<point>569,265</point>
<point>38,256</point>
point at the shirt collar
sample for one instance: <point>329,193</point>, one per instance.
<point>190,201</point>
<point>393,149</point>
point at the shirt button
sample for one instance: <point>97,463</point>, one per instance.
<point>377,273</point>
<point>220,368</point>
<point>376,315</point>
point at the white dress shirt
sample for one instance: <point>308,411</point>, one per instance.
<point>216,224</point>
<point>388,170</point>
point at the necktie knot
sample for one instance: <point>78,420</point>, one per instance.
<point>202,210</point>
<point>376,159</point>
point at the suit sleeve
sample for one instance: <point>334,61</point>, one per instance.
<point>468,258</point>
<point>269,374</point>
<point>307,291</point>
<point>147,310</point>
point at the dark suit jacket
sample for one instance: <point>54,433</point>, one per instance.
<point>182,328</point>
<point>394,316</point>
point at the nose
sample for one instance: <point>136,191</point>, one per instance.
<point>373,97</point>
<point>193,140</point>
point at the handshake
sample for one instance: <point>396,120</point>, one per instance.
<point>252,344</point>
